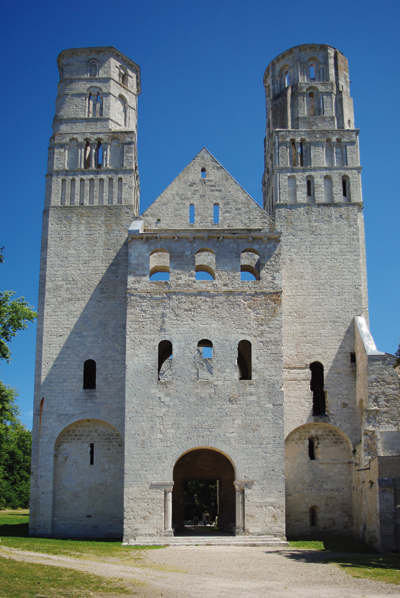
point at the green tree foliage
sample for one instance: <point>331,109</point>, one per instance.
<point>15,439</point>
<point>200,496</point>
<point>15,453</point>
<point>397,362</point>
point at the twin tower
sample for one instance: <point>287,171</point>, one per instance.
<point>207,340</point>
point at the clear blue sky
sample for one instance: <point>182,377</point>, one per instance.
<point>202,86</point>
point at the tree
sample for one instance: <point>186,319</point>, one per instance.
<point>397,362</point>
<point>15,439</point>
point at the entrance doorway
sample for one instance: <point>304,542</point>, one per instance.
<point>203,490</point>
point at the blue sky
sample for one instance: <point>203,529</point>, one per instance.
<point>202,86</point>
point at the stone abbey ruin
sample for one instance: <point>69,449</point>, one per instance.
<point>207,338</point>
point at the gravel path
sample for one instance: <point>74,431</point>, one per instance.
<point>226,572</point>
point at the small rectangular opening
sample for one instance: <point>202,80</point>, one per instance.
<point>311,449</point>
<point>352,357</point>
<point>91,453</point>
<point>191,214</point>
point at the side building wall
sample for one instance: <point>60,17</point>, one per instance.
<point>82,310</point>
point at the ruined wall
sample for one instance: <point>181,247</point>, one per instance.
<point>321,481</point>
<point>243,419</point>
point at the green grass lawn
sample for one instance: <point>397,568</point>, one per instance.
<point>356,558</point>
<point>14,534</point>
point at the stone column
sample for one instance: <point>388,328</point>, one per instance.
<point>241,486</point>
<point>167,487</point>
<point>93,155</point>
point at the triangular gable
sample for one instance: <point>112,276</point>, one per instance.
<point>204,183</point>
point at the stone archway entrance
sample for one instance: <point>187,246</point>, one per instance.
<point>208,471</point>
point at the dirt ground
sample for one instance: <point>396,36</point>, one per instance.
<point>226,572</point>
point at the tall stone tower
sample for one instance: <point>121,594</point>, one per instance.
<point>92,195</point>
<point>312,187</point>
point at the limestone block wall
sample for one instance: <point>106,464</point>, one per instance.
<point>318,482</point>
<point>82,312</point>
<point>324,286</point>
<point>88,481</point>
<point>241,419</point>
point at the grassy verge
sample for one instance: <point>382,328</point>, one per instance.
<point>34,581</point>
<point>357,559</point>
<point>14,534</point>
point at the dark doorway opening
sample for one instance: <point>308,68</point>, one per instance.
<point>203,498</point>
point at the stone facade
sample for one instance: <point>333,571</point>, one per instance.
<point>208,338</point>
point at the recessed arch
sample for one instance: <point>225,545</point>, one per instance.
<point>250,263</point>
<point>205,263</point>
<point>88,480</point>
<point>159,263</point>
<point>204,467</point>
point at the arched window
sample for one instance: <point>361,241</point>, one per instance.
<point>302,147</point>
<point>328,189</point>
<point>90,104</point>
<point>93,69</point>
<point>124,80</point>
<point>204,359</point>
<point>165,360</point>
<point>292,189</point>
<point>249,265</point>
<point>244,360</point>
<point>287,79</point>
<point>312,447</point>
<point>99,155</point>
<point>313,516</point>
<point>311,104</point>
<point>317,388</point>
<point>86,163</point>
<point>346,188</point>
<point>329,153</point>
<point>216,214</point>
<point>205,264</point>
<point>98,106</point>
<point>293,153</point>
<point>312,72</point>
<point>339,152</point>
<point>310,188</point>
<point>159,265</point>
<point>89,374</point>
<point>203,173</point>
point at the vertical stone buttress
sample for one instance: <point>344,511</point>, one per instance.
<point>312,187</point>
<point>92,194</point>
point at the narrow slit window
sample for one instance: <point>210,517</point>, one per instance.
<point>191,214</point>
<point>101,192</point>
<point>119,199</point>
<point>311,448</point>
<point>312,72</point>
<point>203,173</point>
<point>89,374</point>
<point>310,187</point>
<point>82,192</point>
<point>91,192</point>
<point>72,193</point>
<point>91,452</point>
<point>353,357</point>
<point>90,105</point>
<point>301,153</point>
<point>287,80</point>
<point>165,361</point>
<point>313,516</point>
<point>244,360</point>
<point>345,188</point>
<point>293,148</point>
<point>87,155</point>
<point>110,191</point>
<point>216,213</point>
<point>63,191</point>
<point>317,388</point>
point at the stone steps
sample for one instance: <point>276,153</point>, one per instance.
<point>208,541</point>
